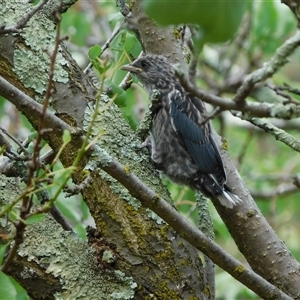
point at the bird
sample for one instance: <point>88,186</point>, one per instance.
<point>181,141</point>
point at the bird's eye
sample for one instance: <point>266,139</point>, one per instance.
<point>144,64</point>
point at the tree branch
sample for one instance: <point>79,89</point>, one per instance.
<point>278,133</point>
<point>239,103</point>
<point>269,68</point>
<point>262,110</point>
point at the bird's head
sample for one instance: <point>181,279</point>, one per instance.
<point>153,71</point>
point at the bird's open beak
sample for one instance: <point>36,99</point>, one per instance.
<point>130,68</point>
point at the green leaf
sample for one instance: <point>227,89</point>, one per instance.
<point>35,219</point>
<point>133,123</point>
<point>66,137</point>
<point>70,212</point>
<point>13,214</point>
<point>80,230</point>
<point>94,52</point>
<point>132,45</point>
<point>84,210</point>
<point>10,289</point>
<point>218,19</point>
<point>119,93</point>
<point>101,66</point>
<point>94,55</point>
<point>2,252</point>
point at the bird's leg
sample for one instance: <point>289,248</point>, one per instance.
<point>146,143</point>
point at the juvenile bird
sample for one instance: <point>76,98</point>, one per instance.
<point>182,145</point>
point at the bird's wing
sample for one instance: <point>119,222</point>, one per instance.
<point>186,119</point>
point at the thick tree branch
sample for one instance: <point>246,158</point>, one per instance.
<point>58,259</point>
<point>248,219</point>
<point>194,236</point>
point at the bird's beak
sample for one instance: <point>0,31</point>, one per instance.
<point>130,68</point>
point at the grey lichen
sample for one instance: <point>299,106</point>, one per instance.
<point>108,256</point>
<point>32,60</point>
<point>152,215</point>
<point>74,263</point>
<point>124,294</point>
<point>66,257</point>
<point>9,191</point>
<point>98,156</point>
<point>287,111</point>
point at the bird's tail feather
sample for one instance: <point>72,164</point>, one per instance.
<point>228,199</point>
<point>210,186</point>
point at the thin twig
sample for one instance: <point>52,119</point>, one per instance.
<point>288,88</point>
<point>280,190</point>
<point>261,110</point>
<point>212,115</point>
<point>244,148</point>
<point>294,6</point>
<point>16,141</point>
<point>278,133</point>
<point>279,91</point>
<point>107,43</point>
<point>240,104</point>
<point>8,149</point>
<point>78,188</point>
<point>33,164</point>
<point>238,43</point>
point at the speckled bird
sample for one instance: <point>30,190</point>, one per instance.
<point>182,145</point>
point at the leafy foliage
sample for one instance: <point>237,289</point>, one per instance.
<point>218,20</point>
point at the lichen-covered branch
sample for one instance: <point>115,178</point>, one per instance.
<point>278,133</point>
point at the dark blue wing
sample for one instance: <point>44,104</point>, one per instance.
<point>186,119</point>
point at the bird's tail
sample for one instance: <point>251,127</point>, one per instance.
<point>227,198</point>
<point>211,187</point>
